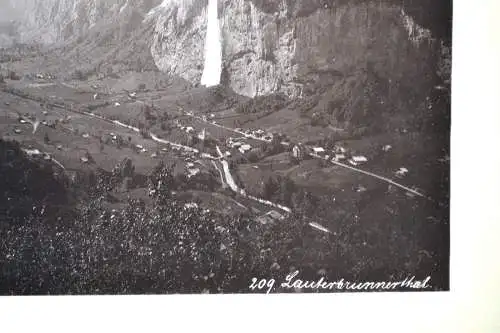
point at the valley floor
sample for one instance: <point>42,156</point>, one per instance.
<point>95,124</point>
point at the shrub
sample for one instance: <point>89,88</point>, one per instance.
<point>78,75</point>
<point>13,76</point>
<point>253,157</point>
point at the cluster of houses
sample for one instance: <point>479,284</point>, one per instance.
<point>191,169</point>
<point>338,154</point>
<point>255,133</point>
<point>45,76</point>
<point>205,118</point>
<point>190,205</point>
<point>30,119</point>
<point>187,129</point>
<point>140,149</point>
<point>202,135</point>
<point>35,152</point>
<point>239,144</point>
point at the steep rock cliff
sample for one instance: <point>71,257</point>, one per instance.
<point>285,46</point>
<point>277,46</point>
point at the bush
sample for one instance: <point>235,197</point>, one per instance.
<point>274,147</point>
<point>124,169</point>
<point>13,76</point>
<point>119,142</point>
<point>253,157</point>
<point>319,120</point>
<point>144,133</point>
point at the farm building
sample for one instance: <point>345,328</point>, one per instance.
<point>318,150</point>
<point>244,148</point>
<point>298,152</point>
<point>270,217</point>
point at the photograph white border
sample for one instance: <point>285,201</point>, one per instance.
<point>472,305</point>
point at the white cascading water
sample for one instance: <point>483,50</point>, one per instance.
<point>213,50</point>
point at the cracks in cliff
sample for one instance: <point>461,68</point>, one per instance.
<point>226,64</point>
<point>240,55</point>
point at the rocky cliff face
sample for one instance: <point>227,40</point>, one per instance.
<point>278,46</point>
<point>268,46</point>
<point>52,21</point>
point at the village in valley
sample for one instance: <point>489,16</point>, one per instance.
<point>206,140</point>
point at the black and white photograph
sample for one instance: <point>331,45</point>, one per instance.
<point>225,146</point>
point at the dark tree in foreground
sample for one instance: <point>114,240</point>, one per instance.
<point>56,242</point>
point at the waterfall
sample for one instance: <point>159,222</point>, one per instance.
<point>213,50</point>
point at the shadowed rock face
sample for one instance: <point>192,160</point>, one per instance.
<point>268,46</point>
<point>277,46</point>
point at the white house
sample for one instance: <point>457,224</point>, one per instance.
<point>318,150</point>
<point>202,135</point>
<point>296,151</point>
<point>401,172</point>
<point>359,159</point>
<point>244,148</point>
<point>191,205</point>
<point>193,172</point>
<point>339,157</point>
